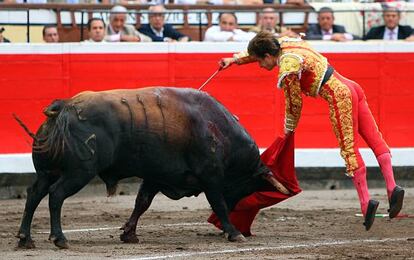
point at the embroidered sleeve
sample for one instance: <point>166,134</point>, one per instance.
<point>289,64</point>
<point>243,58</point>
<point>293,101</point>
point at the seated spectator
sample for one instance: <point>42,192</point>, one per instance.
<point>268,21</point>
<point>292,2</point>
<point>50,34</point>
<point>227,30</point>
<point>96,30</point>
<point>158,30</point>
<point>2,38</point>
<point>325,29</point>
<point>118,31</point>
<point>391,30</point>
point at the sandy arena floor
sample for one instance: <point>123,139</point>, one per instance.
<point>312,225</point>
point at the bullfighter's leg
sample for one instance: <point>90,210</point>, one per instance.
<point>344,107</point>
<point>144,198</point>
<point>373,137</point>
<point>35,194</point>
<point>66,186</point>
<point>217,202</point>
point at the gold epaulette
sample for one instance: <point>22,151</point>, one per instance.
<point>289,64</point>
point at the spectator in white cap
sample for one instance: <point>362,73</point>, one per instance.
<point>118,31</point>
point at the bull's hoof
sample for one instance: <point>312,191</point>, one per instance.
<point>129,238</point>
<point>235,238</point>
<point>60,242</point>
<point>26,243</point>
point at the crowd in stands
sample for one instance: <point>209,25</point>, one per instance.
<point>157,2</point>
<point>227,30</point>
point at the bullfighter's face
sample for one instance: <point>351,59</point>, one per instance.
<point>268,62</point>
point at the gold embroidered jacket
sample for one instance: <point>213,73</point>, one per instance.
<point>301,70</point>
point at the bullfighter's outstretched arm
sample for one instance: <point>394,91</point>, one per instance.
<point>238,58</point>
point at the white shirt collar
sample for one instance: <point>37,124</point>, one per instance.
<point>158,33</point>
<point>388,32</point>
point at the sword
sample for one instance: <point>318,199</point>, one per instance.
<point>210,78</point>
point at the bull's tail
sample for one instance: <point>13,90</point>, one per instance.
<point>23,125</point>
<point>53,137</point>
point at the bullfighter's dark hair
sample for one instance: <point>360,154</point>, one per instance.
<point>264,42</point>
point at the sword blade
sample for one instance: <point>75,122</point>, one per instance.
<point>208,80</point>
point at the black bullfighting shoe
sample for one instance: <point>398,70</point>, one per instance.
<point>396,201</point>
<point>370,216</point>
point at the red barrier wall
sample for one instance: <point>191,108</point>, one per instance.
<point>28,82</point>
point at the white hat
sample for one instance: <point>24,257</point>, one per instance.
<point>118,9</point>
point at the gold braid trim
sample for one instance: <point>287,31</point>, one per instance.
<point>289,64</point>
<point>293,101</point>
<point>339,98</point>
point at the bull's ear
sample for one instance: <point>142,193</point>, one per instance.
<point>85,148</point>
<point>54,109</point>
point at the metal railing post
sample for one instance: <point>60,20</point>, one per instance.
<point>363,23</point>
<point>200,24</point>
<point>28,26</point>
<point>81,29</point>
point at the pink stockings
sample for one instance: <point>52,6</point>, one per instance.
<point>361,186</point>
<point>384,161</point>
<point>360,180</point>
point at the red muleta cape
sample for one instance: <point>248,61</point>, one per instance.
<point>279,157</point>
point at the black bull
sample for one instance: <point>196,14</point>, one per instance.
<point>181,142</point>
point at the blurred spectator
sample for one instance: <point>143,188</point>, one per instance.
<point>158,30</point>
<point>293,2</point>
<point>268,20</point>
<point>117,30</point>
<point>219,2</point>
<point>326,29</point>
<point>227,30</point>
<point>2,38</point>
<point>50,34</point>
<point>391,30</point>
<point>28,1</point>
<point>96,30</point>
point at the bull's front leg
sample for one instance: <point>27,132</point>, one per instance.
<point>217,202</point>
<point>144,198</point>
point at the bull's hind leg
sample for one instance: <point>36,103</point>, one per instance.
<point>144,198</point>
<point>217,202</point>
<point>66,186</point>
<point>35,194</point>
